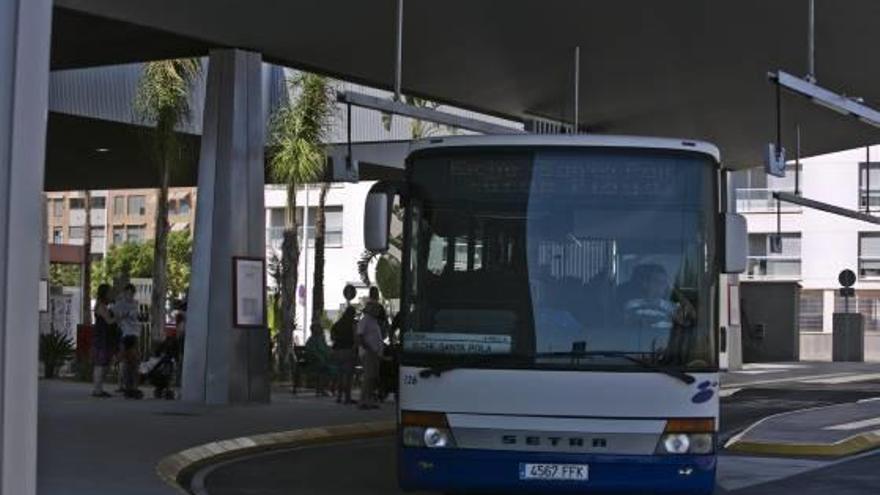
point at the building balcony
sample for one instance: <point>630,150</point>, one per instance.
<point>773,268</point>
<point>761,201</point>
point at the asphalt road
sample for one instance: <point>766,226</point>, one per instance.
<point>368,467</point>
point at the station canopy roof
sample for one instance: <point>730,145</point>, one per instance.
<point>691,69</point>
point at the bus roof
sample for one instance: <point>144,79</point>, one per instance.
<point>567,140</point>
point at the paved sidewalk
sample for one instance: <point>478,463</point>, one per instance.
<point>111,446</point>
<point>831,431</point>
<point>814,372</point>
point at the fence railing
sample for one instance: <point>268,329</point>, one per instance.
<point>761,200</point>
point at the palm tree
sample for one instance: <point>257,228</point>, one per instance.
<point>163,101</point>
<point>318,279</point>
<point>297,156</point>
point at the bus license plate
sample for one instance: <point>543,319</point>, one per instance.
<point>563,472</point>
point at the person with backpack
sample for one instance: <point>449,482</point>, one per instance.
<point>342,334</point>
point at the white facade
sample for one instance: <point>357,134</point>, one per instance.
<point>816,245</point>
<point>345,205</point>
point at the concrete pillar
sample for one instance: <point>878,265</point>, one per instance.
<point>224,364</point>
<point>25,27</point>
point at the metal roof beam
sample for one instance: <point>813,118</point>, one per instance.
<point>429,114</point>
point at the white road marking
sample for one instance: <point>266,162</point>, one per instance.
<point>870,399</point>
<point>855,425</point>
<point>844,379</point>
<point>773,366</point>
<point>727,392</point>
<point>757,372</point>
<point>785,380</point>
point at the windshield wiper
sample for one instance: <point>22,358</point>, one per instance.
<point>677,374</point>
<point>439,369</point>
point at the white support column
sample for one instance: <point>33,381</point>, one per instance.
<point>223,364</point>
<point>25,30</point>
<point>828,309</point>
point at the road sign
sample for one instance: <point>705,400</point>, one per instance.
<point>847,278</point>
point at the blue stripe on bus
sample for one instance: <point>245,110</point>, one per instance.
<point>494,470</point>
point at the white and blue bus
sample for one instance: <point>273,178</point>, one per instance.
<point>560,299</point>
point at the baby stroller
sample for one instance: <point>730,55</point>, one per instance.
<point>161,376</point>
<point>160,370</point>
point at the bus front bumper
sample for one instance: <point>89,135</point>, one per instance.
<point>451,470</point>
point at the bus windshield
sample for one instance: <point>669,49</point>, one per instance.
<point>572,258</point>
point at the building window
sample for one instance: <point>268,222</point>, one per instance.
<point>75,232</point>
<point>98,233</point>
<point>275,230</point>
<point>311,228</point>
<point>98,202</point>
<point>866,302</point>
<point>119,206</point>
<point>763,263</point>
<point>333,226</point>
<point>874,169</point>
<point>118,235</point>
<point>137,205</point>
<point>135,233</point>
<point>58,207</point>
<point>57,235</point>
<point>812,306</point>
<point>869,255</point>
<point>77,203</point>
<point>276,217</point>
<point>184,205</point>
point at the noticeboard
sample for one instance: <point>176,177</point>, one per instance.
<point>249,292</point>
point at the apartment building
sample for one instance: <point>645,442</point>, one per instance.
<point>815,246</point>
<point>117,216</point>
<point>66,219</point>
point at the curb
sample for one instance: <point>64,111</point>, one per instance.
<point>855,444</point>
<point>175,466</point>
<point>848,446</point>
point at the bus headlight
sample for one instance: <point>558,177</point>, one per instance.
<point>419,436</point>
<point>413,436</point>
<point>425,429</point>
<point>688,436</point>
<point>676,443</point>
<point>436,437</point>
<point>686,443</point>
<point>702,443</point>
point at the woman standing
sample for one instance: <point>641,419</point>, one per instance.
<point>103,347</point>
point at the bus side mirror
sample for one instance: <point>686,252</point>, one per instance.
<point>376,222</point>
<point>736,237</point>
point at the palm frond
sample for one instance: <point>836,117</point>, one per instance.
<point>163,91</point>
<point>299,130</point>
